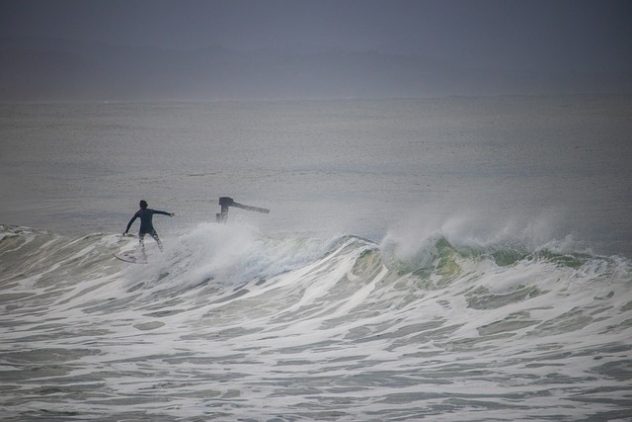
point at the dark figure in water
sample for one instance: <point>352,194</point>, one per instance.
<point>145,214</point>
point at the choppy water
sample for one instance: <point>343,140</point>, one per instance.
<point>452,259</point>
<point>230,324</point>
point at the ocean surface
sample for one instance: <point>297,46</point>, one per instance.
<point>452,259</point>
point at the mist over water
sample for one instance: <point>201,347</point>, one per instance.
<point>532,168</point>
<point>453,259</point>
<point>439,247</point>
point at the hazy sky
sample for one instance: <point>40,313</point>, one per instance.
<point>493,31</point>
<point>315,48</point>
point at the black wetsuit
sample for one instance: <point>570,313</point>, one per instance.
<point>146,227</point>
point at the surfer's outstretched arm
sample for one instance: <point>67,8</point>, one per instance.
<point>130,223</point>
<point>170,214</point>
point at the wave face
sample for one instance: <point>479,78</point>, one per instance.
<point>230,324</point>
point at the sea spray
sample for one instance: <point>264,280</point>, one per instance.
<point>292,328</point>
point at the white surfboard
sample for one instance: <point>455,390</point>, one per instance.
<point>132,257</point>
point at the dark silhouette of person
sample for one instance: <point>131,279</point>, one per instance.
<point>146,227</point>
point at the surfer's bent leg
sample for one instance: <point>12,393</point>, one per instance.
<point>141,241</point>
<point>157,239</point>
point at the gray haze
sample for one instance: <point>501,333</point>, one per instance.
<point>142,49</point>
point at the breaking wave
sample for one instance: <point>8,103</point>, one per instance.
<point>229,323</point>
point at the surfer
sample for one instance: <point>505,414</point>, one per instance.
<point>146,227</point>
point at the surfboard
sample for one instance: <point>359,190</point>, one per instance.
<point>131,256</point>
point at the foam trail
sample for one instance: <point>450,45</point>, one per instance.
<point>228,323</point>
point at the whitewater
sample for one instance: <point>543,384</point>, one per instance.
<point>231,324</point>
<point>446,260</point>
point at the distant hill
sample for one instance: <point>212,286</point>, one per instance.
<point>53,69</point>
